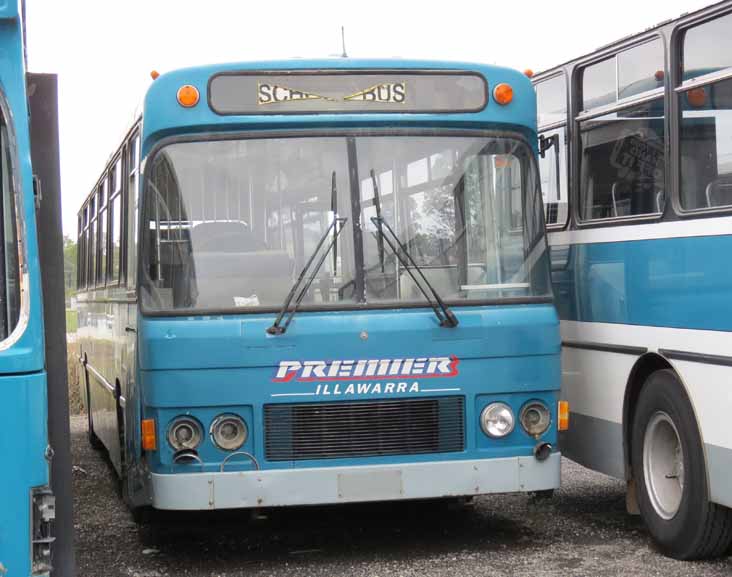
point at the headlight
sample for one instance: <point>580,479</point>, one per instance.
<point>229,432</point>
<point>535,418</point>
<point>497,420</point>
<point>184,433</point>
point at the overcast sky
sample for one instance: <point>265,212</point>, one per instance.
<point>103,51</point>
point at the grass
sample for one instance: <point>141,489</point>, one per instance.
<point>72,321</point>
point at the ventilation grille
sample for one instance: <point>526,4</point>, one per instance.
<point>364,428</point>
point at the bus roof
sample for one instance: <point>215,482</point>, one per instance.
<point>637,35</point>
<point>163,116</point>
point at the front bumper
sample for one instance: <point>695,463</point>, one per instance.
<point>326,485</point>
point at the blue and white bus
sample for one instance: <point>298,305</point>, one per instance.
<point>312,282</point>
<point>637,175</point>
<point>27,505</point>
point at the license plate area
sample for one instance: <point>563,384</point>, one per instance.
<point>370,485</point>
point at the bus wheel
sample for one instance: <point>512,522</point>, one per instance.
<point>670,473</point>
<point>94,441</point>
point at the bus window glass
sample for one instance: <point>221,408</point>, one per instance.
<point>91,270</point>
<point>129,221</point>
<point>230,224</point>
<point>622,163</point>
<point>553,172</point>
<point>102,257</point>
<point>10,282</point>
<point>599,84</point>
<point>116,177</point>
<point>706,146</point>
<point>116,228</point>
<point>707,48</point>
<point>81,260</point>
<point>640,69</point>
<point>551,100</point>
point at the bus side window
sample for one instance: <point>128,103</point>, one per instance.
<point>553,171</point>
<point>551,96</point>
<point>706,118</point>
<point>9,256</point>
<point>622,162</point>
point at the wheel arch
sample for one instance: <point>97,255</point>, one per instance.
<point>644,366</point>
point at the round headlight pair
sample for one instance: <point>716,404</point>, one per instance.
<point>497,419</point>
<point>229,432</point>
<point>185,433</point>
<point>535,418</point>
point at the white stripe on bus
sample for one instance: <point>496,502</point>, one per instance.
<point>713,226</point>
<point>594,381</point>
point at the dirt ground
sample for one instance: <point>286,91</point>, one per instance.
<point>582,530</point>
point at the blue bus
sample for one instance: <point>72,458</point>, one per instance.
<point>637,175</point>
<point>27,506</point>
<point>314,282</point>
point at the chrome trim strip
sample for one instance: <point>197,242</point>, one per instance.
<point>620,105</point>
<point>551,126</point>
<point>705,80</point>
<point>101,378</point>
<point>721,360</point>
<point>605,348</point>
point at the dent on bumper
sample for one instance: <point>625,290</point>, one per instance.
<point>324,485</point>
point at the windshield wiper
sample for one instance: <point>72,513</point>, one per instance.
<point>336,226</point>
<point>377,206</point>
<point>446,317</point>
<point>277,327</point>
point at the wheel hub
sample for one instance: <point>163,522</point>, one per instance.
<point>663,465</point>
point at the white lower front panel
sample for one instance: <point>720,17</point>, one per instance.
<point>281,487</point>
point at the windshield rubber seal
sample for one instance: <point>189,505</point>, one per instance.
<point>318,132</point>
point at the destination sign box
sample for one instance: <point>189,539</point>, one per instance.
<point>311,92</point>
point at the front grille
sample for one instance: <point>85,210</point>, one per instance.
<point>302,431</point>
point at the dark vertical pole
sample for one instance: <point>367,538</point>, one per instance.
<point>43,102</point>
<point>355,186</point>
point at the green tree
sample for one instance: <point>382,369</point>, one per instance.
<point>70,249</point>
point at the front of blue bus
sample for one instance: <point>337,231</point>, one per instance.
<point>343,286</point>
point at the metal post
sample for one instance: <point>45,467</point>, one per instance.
<point>43,100</point>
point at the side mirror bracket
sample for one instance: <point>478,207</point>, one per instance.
<point>546,142</point>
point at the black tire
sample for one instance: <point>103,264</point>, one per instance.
<point>543,495</point>
<point>698,529</point>
<point>94,441</point>
<point>142,515</point>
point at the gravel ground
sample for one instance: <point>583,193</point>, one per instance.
<point>582,530</point>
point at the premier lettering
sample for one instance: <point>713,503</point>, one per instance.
<point>370,369</point>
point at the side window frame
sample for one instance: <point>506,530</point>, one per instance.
<point>15,188</point>
<point>579,115</point>
<point>562,151</point>
<point>131,199</point>
<point>680,88</point>
<point>114,221</point>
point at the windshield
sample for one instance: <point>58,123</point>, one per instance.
<point>229,224</point>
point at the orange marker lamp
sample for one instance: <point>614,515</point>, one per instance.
<point>563,416</point>
<point>697,97</point>
<point>188,96</point>
<point>503,93</point>
<point>149,441</point>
